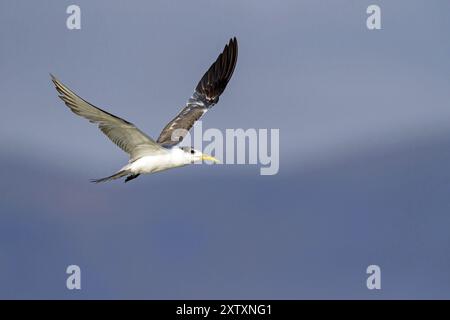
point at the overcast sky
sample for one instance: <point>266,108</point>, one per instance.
<point>364,121</point>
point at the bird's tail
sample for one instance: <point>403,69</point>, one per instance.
<point>120,174</point>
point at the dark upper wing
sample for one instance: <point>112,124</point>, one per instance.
<point>206,95</point>
<point>123,133</point>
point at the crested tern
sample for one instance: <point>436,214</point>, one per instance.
<point>147,155</point>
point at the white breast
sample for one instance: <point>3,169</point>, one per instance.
<point>151,164</point>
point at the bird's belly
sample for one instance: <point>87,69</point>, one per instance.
<point>151,164</point>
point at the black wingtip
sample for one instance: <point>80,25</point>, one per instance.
<point>233,43</point>
<point>214,81</point>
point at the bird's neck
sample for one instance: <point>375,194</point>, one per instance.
<point>178,157</point>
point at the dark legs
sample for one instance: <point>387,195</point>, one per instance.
<point>131,177</point>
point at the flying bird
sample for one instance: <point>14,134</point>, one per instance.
<point>146,154</point>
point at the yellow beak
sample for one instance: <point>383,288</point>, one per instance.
<point>208,157</point>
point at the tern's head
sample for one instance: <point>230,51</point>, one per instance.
<point>193,155</point>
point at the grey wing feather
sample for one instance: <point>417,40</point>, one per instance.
<point>206,95</point>
<point>123,133</point>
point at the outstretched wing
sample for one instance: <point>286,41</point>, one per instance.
<point>206,95</point>
<point>123,133</point>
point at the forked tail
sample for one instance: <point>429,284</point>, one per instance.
<point>120,174</point>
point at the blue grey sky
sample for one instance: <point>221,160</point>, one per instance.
<point>364,178</point>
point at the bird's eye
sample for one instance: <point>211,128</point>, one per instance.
<point>192,151</point>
